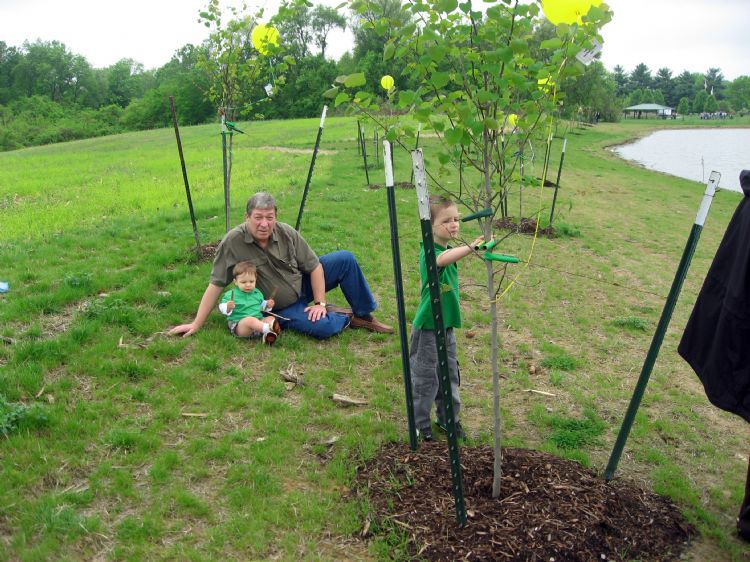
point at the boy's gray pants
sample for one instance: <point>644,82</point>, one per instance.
<point>425,383</point>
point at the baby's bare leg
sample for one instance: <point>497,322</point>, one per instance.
<point>248,326</point>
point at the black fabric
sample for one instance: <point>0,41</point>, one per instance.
<point>716,342</point>
<point>743,519</point>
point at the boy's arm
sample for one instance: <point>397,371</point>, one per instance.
<point>452,255</point>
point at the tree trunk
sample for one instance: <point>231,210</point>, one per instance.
<point>497,471</point>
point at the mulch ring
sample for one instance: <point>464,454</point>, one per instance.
<point>399,184</point>
<point>527,226</point>
<point>207,252</point>
<point>549,509</point>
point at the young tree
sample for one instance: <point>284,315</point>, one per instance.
<point>684,107</point>
<point>738,93</point>
<point>711,105</point>
<point>699,101</point>
<point>478,89</point>
<point>636,97</point>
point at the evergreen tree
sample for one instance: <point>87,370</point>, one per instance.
<point>684,86</point>
<point>621,81</point>
<point>663,82</point>
<point>640,78</point>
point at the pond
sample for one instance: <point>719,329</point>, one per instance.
<point>693,153</point>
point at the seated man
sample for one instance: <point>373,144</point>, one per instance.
<point>289,272</point>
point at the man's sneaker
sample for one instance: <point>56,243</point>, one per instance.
<point>424,433</point>
<point>460,433</point>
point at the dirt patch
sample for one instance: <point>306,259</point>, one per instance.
<point>549,508</point>
<point>296,150</point>
<point>526,226</point>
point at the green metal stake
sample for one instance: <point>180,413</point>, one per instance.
<point>312,165</point>
<point>557,183</point>
<point>364,157</point>
<point>396,254</point>
<point>437,314</point>
<point>184,175</point>
<point>661,329</point>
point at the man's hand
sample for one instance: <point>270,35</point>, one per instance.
<point>316,312</point>
<point>184,329</point>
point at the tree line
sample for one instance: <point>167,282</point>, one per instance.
<point>49,94</point>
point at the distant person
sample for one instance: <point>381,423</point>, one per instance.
<point>244,306</point>
<point>288,269</point>
<point>423,359</point>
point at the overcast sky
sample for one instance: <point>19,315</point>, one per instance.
<point>682,35</point>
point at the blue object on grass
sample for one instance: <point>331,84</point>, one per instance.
<point>4,286</point>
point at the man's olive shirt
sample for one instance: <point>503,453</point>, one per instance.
<point>280,264</point>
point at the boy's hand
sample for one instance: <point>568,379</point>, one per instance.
<point>477,242</point>
<point>230,306</point>
<point>270,303</point>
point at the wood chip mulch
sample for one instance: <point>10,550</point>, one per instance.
<point>549,509</point>
<point>527,226</point>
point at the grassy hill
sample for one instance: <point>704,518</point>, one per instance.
<point>120,442</point>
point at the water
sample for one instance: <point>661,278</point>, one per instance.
<point>693,153</point>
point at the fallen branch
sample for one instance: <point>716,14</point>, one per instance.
<point>347,401</point>
<point>290,375</point>
<point>539,392</point>
<point>193,415</point>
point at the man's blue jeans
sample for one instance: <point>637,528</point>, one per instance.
<point>341,270</point>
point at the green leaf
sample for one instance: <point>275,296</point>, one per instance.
<point>355,80</point>
<point>440,79</point>
<point>505,54</point>
<point>552,44</point>
<point>388,52</point>
<point>406,97</point>
<point>362,97</point>
<point>343,97</point>
<point>331,93</point>
<point>340,79</point>
<point>454,136</point>
<point>443,158</point>
<point>447,5</point>
<point>437,52</point>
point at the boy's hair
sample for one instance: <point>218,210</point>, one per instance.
<point>438,203</point>
<point>244,267</point>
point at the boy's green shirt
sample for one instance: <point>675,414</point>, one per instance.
<point>448,276</point>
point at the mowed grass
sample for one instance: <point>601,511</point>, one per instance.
<point>120,442</point>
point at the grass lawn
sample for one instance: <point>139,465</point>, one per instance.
<point>120,442</point>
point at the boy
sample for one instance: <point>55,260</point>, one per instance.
<point>423,352</point>
<point>245,305</point>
